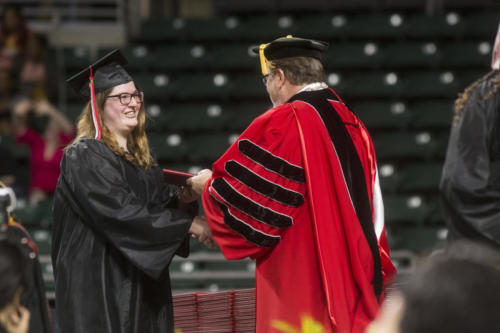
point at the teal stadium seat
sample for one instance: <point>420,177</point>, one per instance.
<point>379,26</point>
<point>74,110</point>
<point>382,114</point>
<point>401,209</point>
<point>481,24</point>
<point>156,86</point>
<point>203,86</point>
<point>19,151</point>
<point>427,114</point>
<point>157,117</point>
<point>196,117</point>
<point>234,57</point>
<point>138,55</point>
<point>177,57</point>
<point>263,29</point>
<point>353,55</point>
<point>390,177</point>
<point>431,84</point>
<point>208,148</point>
<point>419,239</point>
<point>168,147</point>
<point>249,86</point>
<point>323,26</point>
<point>421,177</point>
<point>411,54</point>
<point>370,85</point>
<point>465,53</point>
<point>214,29</point>
<point>76,58</point>
<point>397,146</point>
<point>449,25</point>
<point>160,30</point>
<point>242,114</point>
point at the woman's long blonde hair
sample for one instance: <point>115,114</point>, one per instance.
<point>137,141</point>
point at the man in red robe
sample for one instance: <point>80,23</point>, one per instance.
<point>298,192</point>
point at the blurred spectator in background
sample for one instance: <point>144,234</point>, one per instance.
<point>32,69</point>
<point>47,131</point>
<point>470,182</point>
<point>13,35</point>
<point>14,318</point>
<point>456,291</point>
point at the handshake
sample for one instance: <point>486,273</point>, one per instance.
<point>187,194</point>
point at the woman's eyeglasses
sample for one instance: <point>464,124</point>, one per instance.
<point>125,98</point>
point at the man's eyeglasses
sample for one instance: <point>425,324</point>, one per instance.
<point>125,98</point>
<point>265,78</point>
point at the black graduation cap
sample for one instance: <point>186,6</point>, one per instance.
<point>287,47</point>
<point>108,72</point>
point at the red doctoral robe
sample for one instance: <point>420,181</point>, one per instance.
<point>308,211</point>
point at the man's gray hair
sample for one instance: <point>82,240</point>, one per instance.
<point>301,70</point>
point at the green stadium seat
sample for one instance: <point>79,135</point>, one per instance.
<point>323,26</point>
<point>179,56</point>
<point>241,115</point>
<point>157,117</point>
<point>431,114</point>
<point>449,25</point>
<point>411,54</point>
<point>421,177</point>
<point>382,115</point>
<point>249,86</point>
<point>139,56</point>
<point>431,84</point>
<point>42,238</point>
<point>19,151</point>
<point>376,26</point>
<point>370,85</point>
<point>159,30</point>
<point>208,148</point>
<point>263,29</point>
<point>158,86</point>
<point>405,209</point>
<point>216,28</point>
<point>481,24</point>
<point>389,176</point>
<point>196,117</point>
<point>203,86</point>
<point>463,54</point>
<point>403,145</point>
<point>418,239</point>
<point>168,147</point>
<point>74,110</point>
<point>76,58</point>
<point>234,57</point>
<point>353,55</point>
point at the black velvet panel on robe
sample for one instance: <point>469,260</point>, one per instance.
<point>115,232</point>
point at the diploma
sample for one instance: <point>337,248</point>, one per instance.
<point>176,177</point>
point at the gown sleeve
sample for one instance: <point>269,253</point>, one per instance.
<point>144,231</point>
<point>257,187</point>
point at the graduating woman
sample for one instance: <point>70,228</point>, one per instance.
<point>117,225</point>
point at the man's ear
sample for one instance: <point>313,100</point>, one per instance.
<point>280,76</point>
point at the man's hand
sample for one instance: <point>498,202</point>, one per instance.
<point>199,229</point>
<point>197,182</point>
<point>18,321</point>
<point>187,194</point>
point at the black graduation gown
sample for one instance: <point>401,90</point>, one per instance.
<point>114,236</point>
<point>470,181</point>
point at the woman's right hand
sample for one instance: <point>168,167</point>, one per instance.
<point>18,321</point>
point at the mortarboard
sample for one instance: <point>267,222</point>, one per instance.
<point>287,47</point>
<point>105,73</point>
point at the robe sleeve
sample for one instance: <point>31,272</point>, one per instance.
<point>470,182</point>
<point>257,187</point>
<point>146,233</point>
